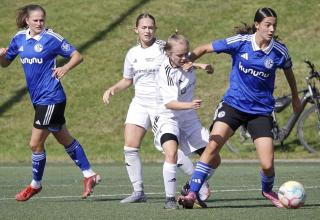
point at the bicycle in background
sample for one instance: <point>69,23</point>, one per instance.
<point>307,120</point>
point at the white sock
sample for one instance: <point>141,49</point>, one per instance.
<point>134,167</point>
<point>88,173</point>
<point>170,179</point>
<point>184,163</point>
<point>35,184</point>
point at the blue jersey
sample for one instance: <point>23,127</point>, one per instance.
<point>252,77</point>
<point>38,57</point>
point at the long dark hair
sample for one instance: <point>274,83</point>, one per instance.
<point>261,13</point>
<point>23,13</point>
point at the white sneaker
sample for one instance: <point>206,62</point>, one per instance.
<point>135,197</point>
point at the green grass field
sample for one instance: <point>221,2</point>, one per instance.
<point>236,194</point>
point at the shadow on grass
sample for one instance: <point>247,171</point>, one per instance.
<point>20,93</point>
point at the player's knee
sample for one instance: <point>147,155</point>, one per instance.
<point>35,147</point>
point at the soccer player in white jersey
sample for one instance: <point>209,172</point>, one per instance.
<point>177,122</point>
<point>141,68</point>
<point>38,48</point>
<point>256,55</point>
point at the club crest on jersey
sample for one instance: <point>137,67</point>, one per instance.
<point>268,63</point>
<point>221,114</point>
<point>38,48</point>
<point>65,47</point>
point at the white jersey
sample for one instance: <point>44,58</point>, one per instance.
<point>174,84</point>
<point>142,66</point>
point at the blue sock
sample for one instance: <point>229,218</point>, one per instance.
<point>199,175</point>
<point>266,182</point>
<point>38,164</point>
<point>77,154</point>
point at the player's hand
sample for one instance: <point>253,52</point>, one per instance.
<point>59,72</point>
<point>107,94</point>
<point>3,51</point>
<point>196,104</point>
<point>187,66</point>
<point>208,68</point>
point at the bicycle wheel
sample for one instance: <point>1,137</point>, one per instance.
<point>240,141</point>
<point>309,130</point>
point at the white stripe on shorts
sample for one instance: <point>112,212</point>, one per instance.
<point>48,116</point>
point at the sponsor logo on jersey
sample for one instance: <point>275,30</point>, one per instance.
<point>253,72</point>
<point>31,60</point>
<point>38,48</point>
<point>245,56</point>
<point>65,47</point>
<point>21,49</point>
<point>268,63</point>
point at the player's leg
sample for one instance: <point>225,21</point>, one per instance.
<point>76,152</point>
<point>169,143</point>
<point>37,140</point>
<point>223,127</point>
<point>133,137</point>
<point>136,125</point>
<point>260,130</point>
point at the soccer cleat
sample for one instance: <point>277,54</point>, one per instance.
<point>187,201</point>
<point>89,183</point>
<point>171,203</point>
<point>135,197</point>
<point>185,189</point>
<point>273,197</point>
<point>27,193</point>
<point>199,203</point>
<point>204,192</point>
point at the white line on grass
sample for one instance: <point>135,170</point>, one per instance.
<point>150,193</point>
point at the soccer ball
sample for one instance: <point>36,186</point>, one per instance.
<point>292,195</point>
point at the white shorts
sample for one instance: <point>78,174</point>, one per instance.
<point>141,115</point>
<point>189,131</point>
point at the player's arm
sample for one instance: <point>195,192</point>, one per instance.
<point>76,59</point>
<point>296,104</point>
<point>119,86</point>
<point>199,51</point>
<point>176,105</point>
<point>4,62</point>
<point>206,67</point>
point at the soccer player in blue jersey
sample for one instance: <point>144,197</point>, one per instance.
<point>38,48</point>
<point>256,55</point>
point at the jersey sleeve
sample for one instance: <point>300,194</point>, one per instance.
<point>228,45</point>
<point>13,50</point>
<point>128,72</point>
<point>60,45</point>
<point>286,60</point>
<point>168,88</point>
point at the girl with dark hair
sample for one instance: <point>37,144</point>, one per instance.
<point>256,56</point>
<point>38,48</point>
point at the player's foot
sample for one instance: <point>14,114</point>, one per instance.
<point>135,197</point>
<point>204,192</point>
<point>185,189</point>
<point>187,201</point>
<point>27,193</point>
<point>171,203</point>
<point>273,197</point>
<point>199,203</point>
<point>89,183</point>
